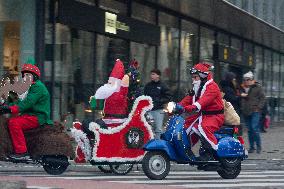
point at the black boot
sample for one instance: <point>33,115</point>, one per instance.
<point>206,153</point>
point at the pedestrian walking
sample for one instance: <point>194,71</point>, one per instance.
<point>160,95</point>
<point>230,90</point>
<point>251,105</point>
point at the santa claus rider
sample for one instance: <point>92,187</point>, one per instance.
<point>114,96</point>
<point>206,101</point>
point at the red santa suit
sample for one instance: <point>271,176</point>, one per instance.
<point>210,107</point>
<point>116,105</point>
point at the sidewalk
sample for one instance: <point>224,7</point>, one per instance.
<point>272,142</point>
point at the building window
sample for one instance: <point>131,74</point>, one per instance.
<point>275,88</point>
<point>206,45</point>
<point>74,71</point>
<point>168,50</point>
<point>267,80</point>
<point>145,55</point>
<point>259,64</point>
<point>189,53</point>
<point>281,101</point>
<point>17,35</point>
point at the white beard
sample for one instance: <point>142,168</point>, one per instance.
<point>106,91</point>
<point>196,85</point>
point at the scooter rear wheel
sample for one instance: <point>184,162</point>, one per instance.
<point>156,165</point>
<point>55,165</point>
<point>105,168</point>
<point>231,168</point>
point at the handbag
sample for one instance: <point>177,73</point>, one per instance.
<point>231,116</point>
<point>267,121</point>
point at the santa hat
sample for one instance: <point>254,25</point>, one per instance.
<point>118,70</point>
<point>30,67</point>
<point>202,69</point>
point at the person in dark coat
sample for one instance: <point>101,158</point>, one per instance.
<point>160,95</point>
<point>229,88</point>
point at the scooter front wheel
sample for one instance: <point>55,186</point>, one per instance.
<point>121,169</point>
<point>156,165</point>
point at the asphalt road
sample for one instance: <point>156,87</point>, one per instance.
<point>255,174</point>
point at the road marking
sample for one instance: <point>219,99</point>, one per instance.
<point>229,185</point>
<point>220,180</point>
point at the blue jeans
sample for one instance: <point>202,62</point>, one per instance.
<point>158,116</point>
<point>253,124</point>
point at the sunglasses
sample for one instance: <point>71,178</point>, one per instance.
<point>247,79</point>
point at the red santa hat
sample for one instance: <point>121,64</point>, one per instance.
<point>202,69</point>
<point>118,70</point>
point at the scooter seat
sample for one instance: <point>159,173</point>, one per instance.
<point>226,129</point>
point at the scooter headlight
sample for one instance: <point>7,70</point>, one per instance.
<point>170,107</point>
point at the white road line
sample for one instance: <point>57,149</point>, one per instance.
<point>39,187</point>
<point>235,181</point>
<point>229,185</point>
<point>184,177</point>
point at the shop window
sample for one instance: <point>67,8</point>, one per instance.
<point>189,54</point>
<point>143,13</point>
<point>168,51</point>
<point>145,55</point>
<point>11,47</point>
<point>281,101</point>
<point>267,73</point>
<point>206,45</point>
<point>74,72</point>
<point>275,88</point>
<point>259,64</point>
<point>17,35</point>
<point>108,50</point>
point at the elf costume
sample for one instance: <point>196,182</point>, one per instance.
<point>30,112</point>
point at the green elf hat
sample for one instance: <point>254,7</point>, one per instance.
<point>29,66</point>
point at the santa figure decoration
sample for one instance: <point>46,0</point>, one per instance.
<point>114,95</point>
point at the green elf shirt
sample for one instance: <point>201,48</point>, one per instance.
<point>37,103</point>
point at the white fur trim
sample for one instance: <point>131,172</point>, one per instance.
<point>82,141</point>
<point>202,91</point>
<point>197,105</point>
<point>204,87</point>
<point>188,130</point>
<point>200,129</point>
<point>112,121</point>
<point>97,130</point>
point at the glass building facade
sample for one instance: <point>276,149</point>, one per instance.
<point>77,60</point>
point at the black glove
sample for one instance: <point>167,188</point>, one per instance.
<point>5,110</point>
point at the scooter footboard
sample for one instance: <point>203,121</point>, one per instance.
<point>161,145</point>
<point>230,147</point>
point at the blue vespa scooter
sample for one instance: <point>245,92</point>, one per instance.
<point>175,146</point>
